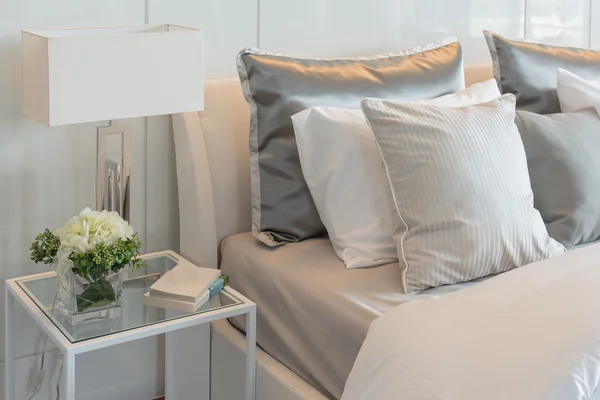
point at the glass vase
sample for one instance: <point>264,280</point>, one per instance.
<point>90,298</point>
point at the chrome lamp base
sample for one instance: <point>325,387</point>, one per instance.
<point>113,177</point>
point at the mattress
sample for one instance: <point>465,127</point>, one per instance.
<point>313,314</point>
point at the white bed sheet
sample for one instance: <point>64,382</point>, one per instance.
<point>531,333</point>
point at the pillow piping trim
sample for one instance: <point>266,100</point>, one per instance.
<point>387,173</point>
<point>489,38</point>
<point>411,51</point>
<point>254,163</point>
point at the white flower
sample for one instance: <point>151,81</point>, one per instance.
<point>62,261</point>
<point>84,232</point>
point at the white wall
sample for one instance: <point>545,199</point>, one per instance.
<point>46,174</point>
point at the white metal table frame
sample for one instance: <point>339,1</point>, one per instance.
<point>70,350</point>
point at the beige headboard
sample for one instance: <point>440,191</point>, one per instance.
<point>213,167</point>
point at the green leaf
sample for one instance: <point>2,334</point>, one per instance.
<point>98,294</point>
<point>44,247</point>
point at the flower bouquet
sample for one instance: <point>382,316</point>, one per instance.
<point>88,254</point>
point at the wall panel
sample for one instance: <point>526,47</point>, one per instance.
<point>229,26</point>
<point>561,22</point>
<point>595,24</point>
<point>328,28</point>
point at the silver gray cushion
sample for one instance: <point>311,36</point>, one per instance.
<point>529,70</point>
<point>277,87</point>
<point>563,155</point>
<point>460,188</point>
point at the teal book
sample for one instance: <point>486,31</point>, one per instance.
<point>219,284</point>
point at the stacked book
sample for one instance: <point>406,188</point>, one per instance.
<point>185,287</point>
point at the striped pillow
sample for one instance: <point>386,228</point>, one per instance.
<point>460,186</point>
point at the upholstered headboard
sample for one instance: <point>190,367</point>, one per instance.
<point>213,167</point>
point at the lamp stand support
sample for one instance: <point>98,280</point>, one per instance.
<point>113,177</point>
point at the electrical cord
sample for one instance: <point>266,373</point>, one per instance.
<point>39,378</point>
<point>62,364</point>
<point>32,395</point>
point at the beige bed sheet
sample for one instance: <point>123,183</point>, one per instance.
<point>313,313</point>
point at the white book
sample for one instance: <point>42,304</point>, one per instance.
<point>173,304</point>
<point>185,282</point>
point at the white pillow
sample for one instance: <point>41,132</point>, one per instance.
<point>344,172</point>
<point>576,93</point>
<point>461,191</point>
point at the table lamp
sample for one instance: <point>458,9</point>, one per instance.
<point>73,76</point>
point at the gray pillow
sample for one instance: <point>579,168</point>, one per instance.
<point>460,191</point>
<point>277,87</point>
<point>563,155</point>
<point>530,70</point>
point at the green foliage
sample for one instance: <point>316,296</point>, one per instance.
<point>94,264</point>
<point>108,257</point>
<point>99,293</point>
<point>44,247</point>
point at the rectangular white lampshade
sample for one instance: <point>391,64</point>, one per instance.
<point>84,75</point>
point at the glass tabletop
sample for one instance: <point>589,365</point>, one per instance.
<point>134,314</point>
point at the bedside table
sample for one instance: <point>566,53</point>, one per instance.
<point>37,293</point>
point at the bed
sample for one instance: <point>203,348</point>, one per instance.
<point>314,312</point>
<point>214,201</point>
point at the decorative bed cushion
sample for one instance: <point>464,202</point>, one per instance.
<point>277,87</point>
<point>344,172</point>
<point>576,93</point>
<point>564,167</point>
<point>460,187</point>
<point>529,70</point>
